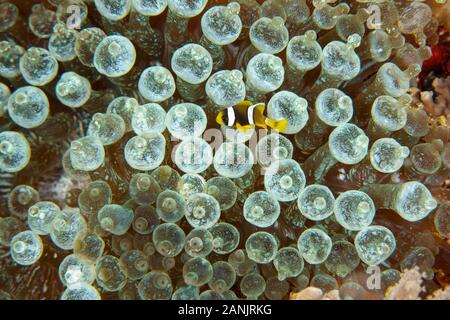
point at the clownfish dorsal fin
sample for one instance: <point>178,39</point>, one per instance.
<point>279,125</point>
<point>243,105</point>
<point>243,128</point>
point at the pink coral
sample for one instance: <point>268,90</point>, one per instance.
<point>437,102</point>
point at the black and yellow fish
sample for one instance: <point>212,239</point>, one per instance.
<point>246,115</point>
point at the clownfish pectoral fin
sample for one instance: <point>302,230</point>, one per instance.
<point>219,118</point>
<point>247,128</point>
<point>243,128</point>
<point>279,125</point>
<point>258,116</point>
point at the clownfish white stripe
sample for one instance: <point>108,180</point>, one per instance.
<point>231,116</point>
<point>250,111</point>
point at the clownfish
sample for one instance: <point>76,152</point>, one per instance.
<point>246,115</point>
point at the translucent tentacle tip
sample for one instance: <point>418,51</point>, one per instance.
<point>363,207</point>
<point>320,203</point>
<point>278,22</point>
<point>405,100</point>
<point>274,63</point>
<point>63,90</point>
<point>114,49</point>
<point>236,74</point>
<point>402,152</point>
<point>361,141</point>
<point>425,52</point>
<point>345,102</point>
<point>76,146</point>
<point>286,182</point>
<point>430,204</point>
<point>414,201</point>
<point>412,71</point>
<point>6,147</point>
<point>340,9</point>
<point>310,35</point>
<point>397,40</point>
<point>353,41</point>
<point>161,76</point>
<point>21,98</point>
<point>233,8</point>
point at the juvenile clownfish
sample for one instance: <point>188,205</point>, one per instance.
<point>246,115</point>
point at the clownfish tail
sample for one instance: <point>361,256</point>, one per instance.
<point>279,125</point>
